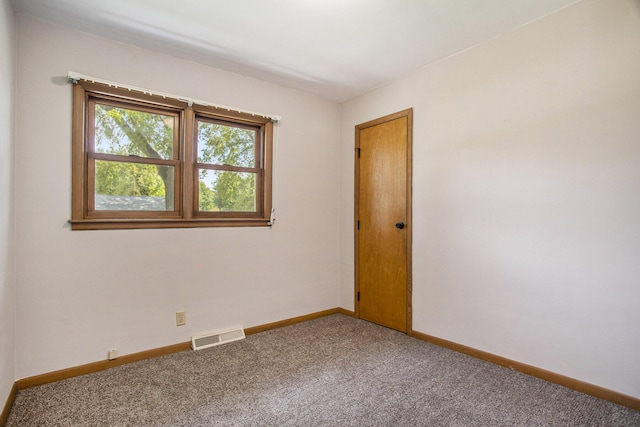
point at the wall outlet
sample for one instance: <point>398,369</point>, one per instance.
<point>113,354</point>
<point>181,318</point>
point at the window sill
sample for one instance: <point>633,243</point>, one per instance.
<point>128,224</point>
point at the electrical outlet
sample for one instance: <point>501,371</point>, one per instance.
<point>113,353</point>
<point>181,318</point>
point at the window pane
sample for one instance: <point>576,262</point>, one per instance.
<point>124,186</point>
<point>133,133</point>
<point>226,191</point>
<point>226,145</point>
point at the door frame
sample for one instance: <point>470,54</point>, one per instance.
<point>408,113</point>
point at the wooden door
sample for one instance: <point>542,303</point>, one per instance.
<point>383,221</point>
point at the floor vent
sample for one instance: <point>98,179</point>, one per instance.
<point>198,342</point>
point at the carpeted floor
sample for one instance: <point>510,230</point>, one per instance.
<point>333,371</point>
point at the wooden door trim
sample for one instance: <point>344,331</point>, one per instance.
<point>408,113</point>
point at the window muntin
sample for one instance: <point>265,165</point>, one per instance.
<point>142,161</point>
<point>132,156</point>
<point>228,160</point>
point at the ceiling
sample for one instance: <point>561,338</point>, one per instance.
<point>335,49</point>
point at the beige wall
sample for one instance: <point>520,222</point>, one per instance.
<point>7,288</point>
<point>526,233</point>
<point>83,292</point>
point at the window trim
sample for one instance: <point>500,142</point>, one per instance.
<point>257,169</point>
<point>92,156</point>
<point>184,214</point>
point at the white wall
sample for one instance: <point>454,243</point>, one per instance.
<point>526,234</point>
<point>7,289</point>
<point>526,207</point>
<point>80,293</point>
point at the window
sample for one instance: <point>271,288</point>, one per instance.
<point>146,161</point>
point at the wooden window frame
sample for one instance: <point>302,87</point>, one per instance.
<point>257,169</point>
<point>185,213</point>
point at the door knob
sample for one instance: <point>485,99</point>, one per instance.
<point>400,225</point>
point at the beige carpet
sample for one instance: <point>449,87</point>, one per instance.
<point>334,371</point>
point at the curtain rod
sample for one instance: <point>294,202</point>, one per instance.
<point>74,78</point>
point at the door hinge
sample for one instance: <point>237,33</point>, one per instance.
<point>358,151</point>
<point>358,225</point>
<point>358,296</point>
